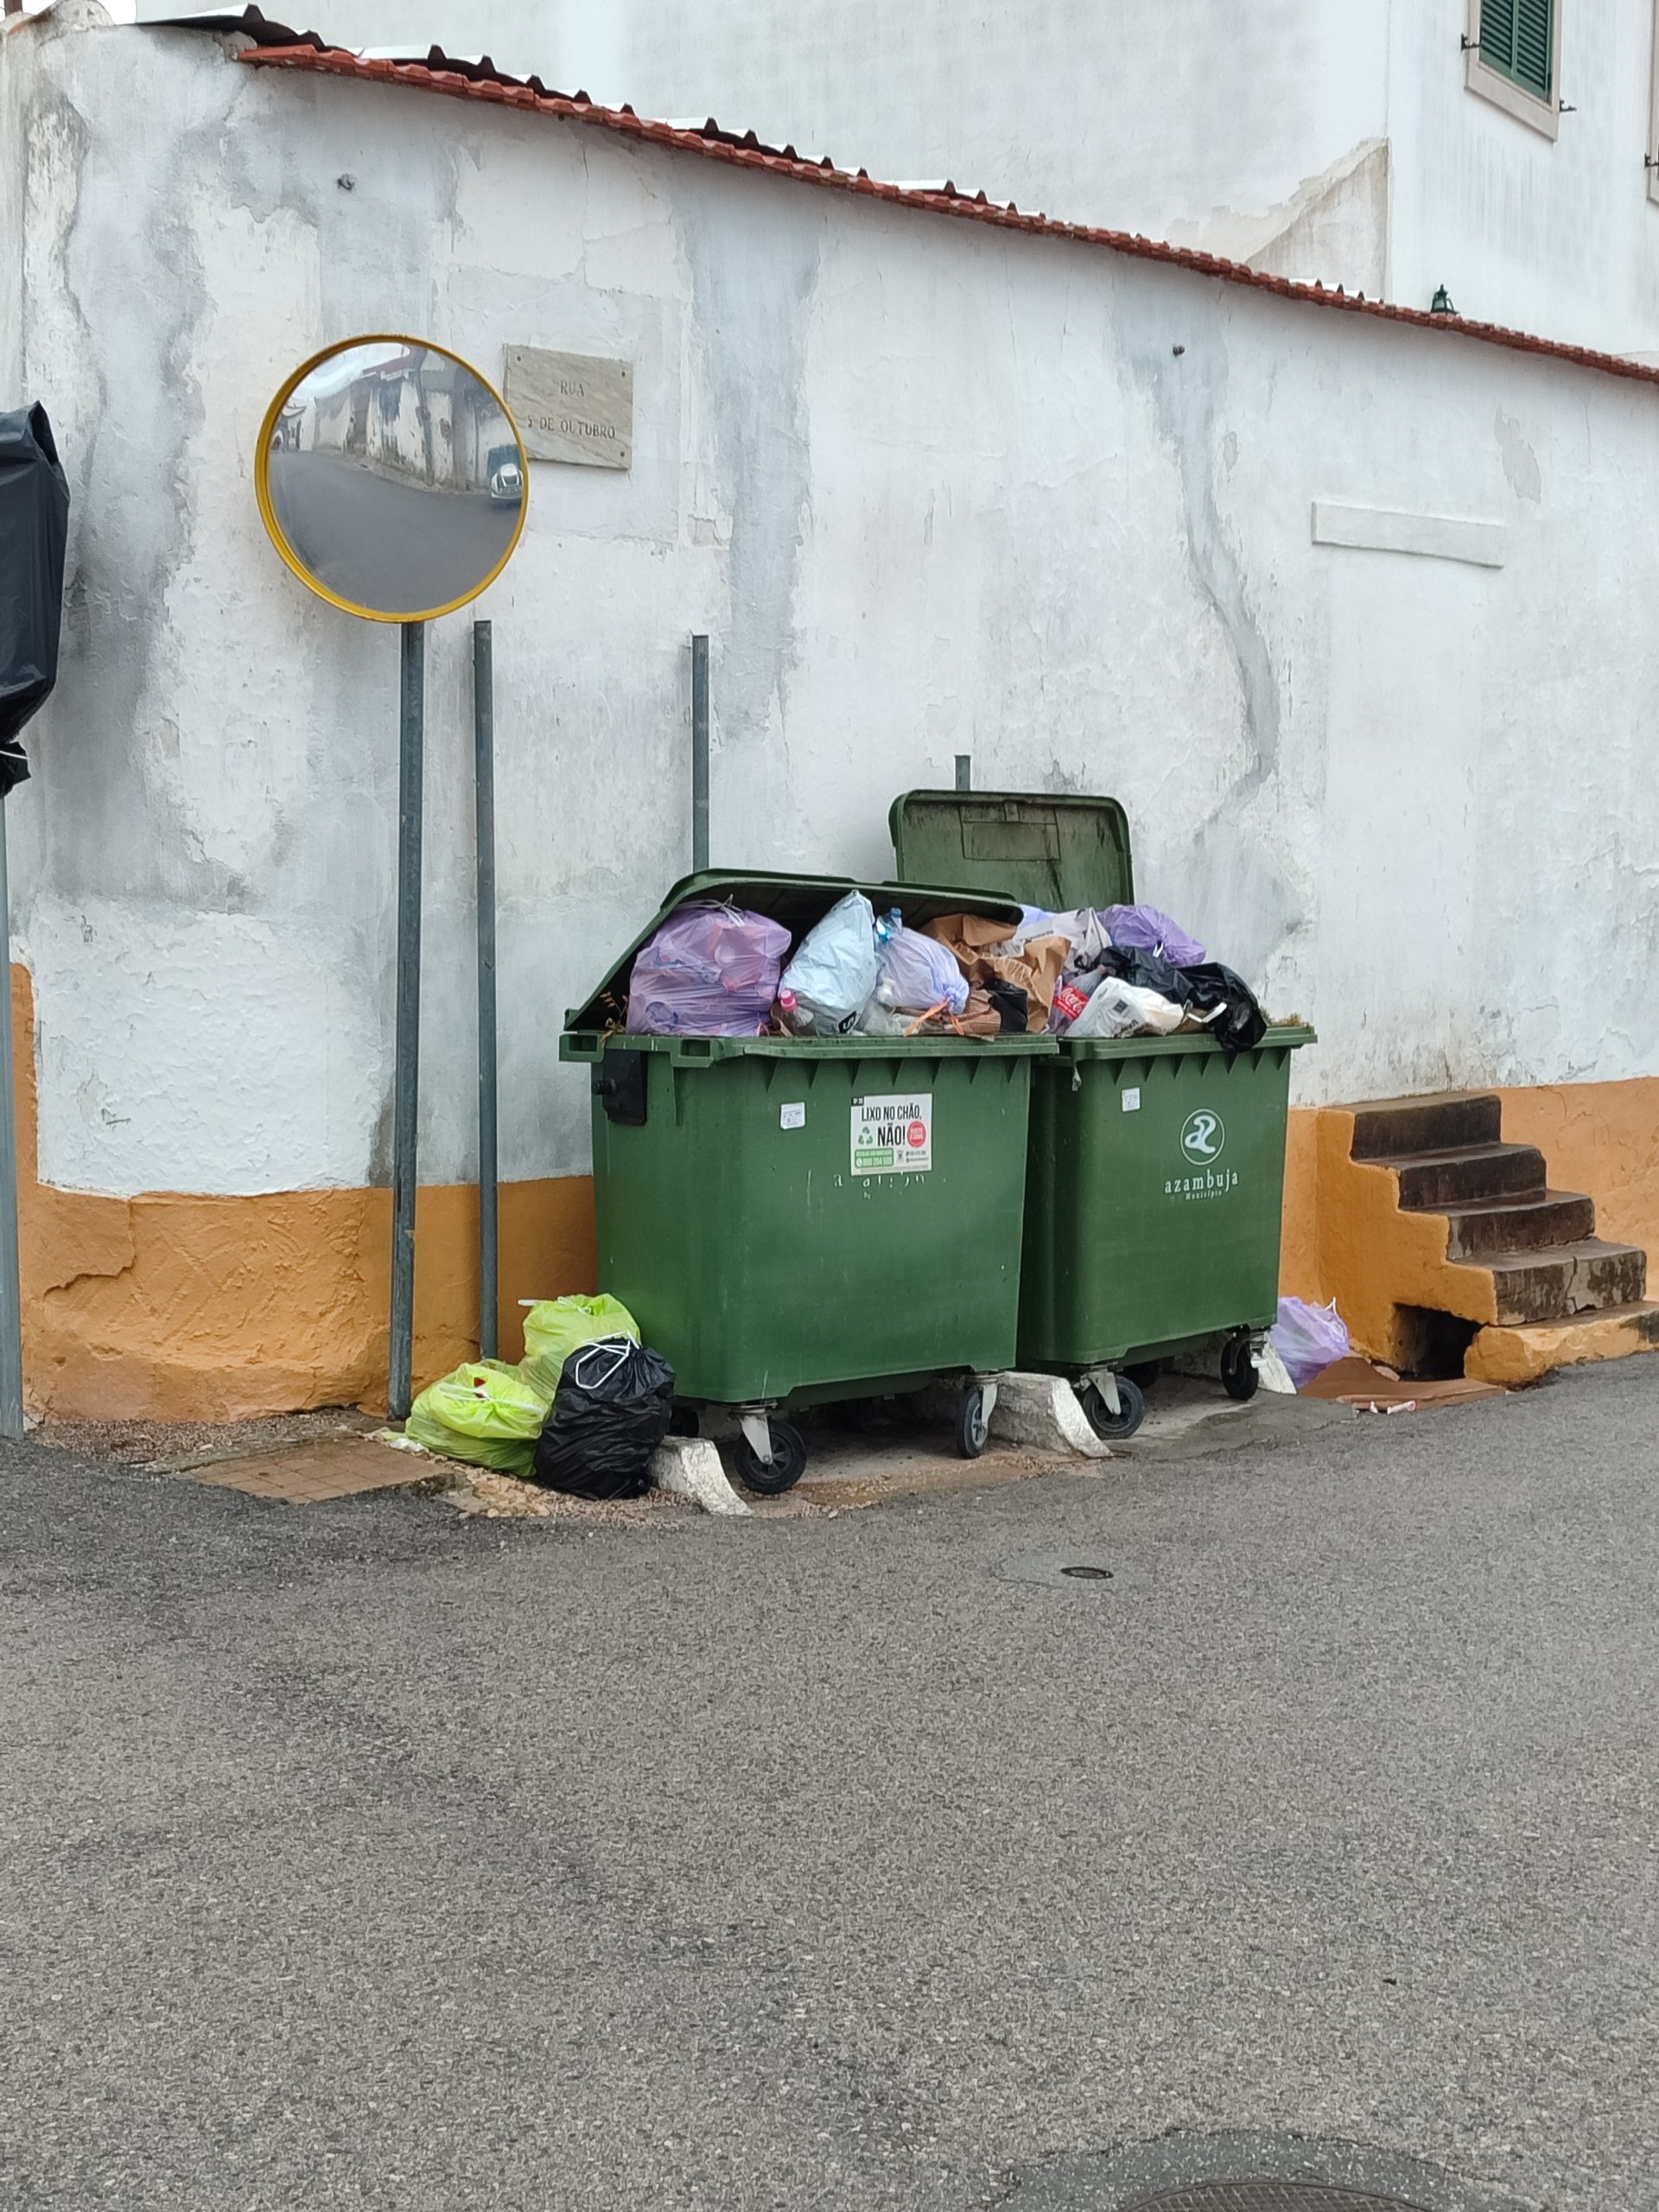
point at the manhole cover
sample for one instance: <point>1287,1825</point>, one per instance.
<point>1074,1571</point>
<point>1268,2196</point>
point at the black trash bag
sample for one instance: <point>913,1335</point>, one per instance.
<point>1134,963</point>
<point>1241,1025</point>
<point>615,1400</point>
<point>1013,1004</point>
<point>34,530</point>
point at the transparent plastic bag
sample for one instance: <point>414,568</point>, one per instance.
<point>914,973</point>
<point>835,970</point>
<point>558,1326</point>
<point>1308,1339</point>
<point>484,1413</point>
<point>709,971</point>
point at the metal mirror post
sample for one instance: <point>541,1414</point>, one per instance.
<point>394,483</point>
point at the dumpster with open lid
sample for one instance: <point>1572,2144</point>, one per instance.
<point>753,1218</point>
<point>1157,1164</point>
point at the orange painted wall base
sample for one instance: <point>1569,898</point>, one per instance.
<point>173,1307</point>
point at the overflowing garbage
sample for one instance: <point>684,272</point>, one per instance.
<point>581,1413</point>
<point>721,970</point>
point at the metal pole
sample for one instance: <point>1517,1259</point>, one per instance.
<point>699,753</point>
<point>483,794</point>
<point>11,1302</point>
<point>406,1082</point>
<point>964,771</point>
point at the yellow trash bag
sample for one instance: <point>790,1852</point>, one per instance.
<point>559,1326</point>
<point>486,1413</point>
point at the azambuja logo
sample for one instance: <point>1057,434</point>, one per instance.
<point>1202,1135</point>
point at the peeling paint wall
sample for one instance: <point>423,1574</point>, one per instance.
<point>931,489</point>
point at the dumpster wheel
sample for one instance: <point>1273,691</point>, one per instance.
<point>974,1419</point>
<point>1131,1409</point>
<point>1239,1377</point>
<point>787,1466</point>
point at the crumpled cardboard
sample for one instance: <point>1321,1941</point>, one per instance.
<point>1035,969</point>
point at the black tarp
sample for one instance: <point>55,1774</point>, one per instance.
<point>33,528</point>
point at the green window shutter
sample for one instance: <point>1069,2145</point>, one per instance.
<point>1533,42</point>
<point>1498,34</point>
<point>1517,37</point>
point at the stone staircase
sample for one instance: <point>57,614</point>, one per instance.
<point>1522,1263</point>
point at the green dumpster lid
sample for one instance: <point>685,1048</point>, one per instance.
<point>797,901</point>
<point>1053,852</point>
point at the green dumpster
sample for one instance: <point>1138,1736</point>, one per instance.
<point>1157,1164</point>
<point>796,1220</point>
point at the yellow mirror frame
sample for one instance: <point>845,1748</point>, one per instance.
<point>268,512</point>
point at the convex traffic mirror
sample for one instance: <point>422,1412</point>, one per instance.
<point>392,478</point>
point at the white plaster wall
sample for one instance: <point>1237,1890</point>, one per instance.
<point>930,488</point>
<point>1245,131</point>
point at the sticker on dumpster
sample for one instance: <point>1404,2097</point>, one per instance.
<point>893,1136</point>
<point>792,1116</point>
<point>1203,1136</point>
<point>1132,1099</point>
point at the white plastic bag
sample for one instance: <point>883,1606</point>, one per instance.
<point>1308,1339</point>
<point>1119,1009</point>
<point>835,970</point>
<point>1089,944</point>
<point>914,973</point>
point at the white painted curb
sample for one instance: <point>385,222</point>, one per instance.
<point>1043,1410</point>
<point>688,1466</point>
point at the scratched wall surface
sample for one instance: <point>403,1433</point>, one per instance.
<point>930,488</point>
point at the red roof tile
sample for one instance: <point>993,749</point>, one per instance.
<point>481,81</point>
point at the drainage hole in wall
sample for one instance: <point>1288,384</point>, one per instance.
<point>1088,1574</point>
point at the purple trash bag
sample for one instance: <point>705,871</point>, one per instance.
<point>1308,1338</point>
<point>709,971</point>
<point>1144,928</point>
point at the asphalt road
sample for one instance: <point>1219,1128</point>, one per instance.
<point>398,548</point>
<point>359,1856</point>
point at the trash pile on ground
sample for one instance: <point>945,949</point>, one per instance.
<point>1313,1343</point>
<point>1309,1339</point>
<point>721,970</point>
<point>581,1413</point>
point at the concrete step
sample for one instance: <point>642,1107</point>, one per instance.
<point>1446,1120</point>
<point>1522,1354</point>
<point>1553,1286</point>
<point>1431,1181</point>
<point>1523,1225</point>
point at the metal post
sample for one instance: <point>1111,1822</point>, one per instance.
<point>406,1079</point>
<point>484,795</point>
<point>964,771</point>
<point>11,1302</point>
<point>699,753</point>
